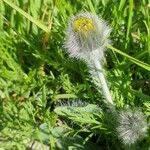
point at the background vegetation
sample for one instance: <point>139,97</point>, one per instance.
<point>36,74</point>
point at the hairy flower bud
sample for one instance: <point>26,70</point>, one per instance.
<point>132,126</point>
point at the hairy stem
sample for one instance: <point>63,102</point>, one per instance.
<point>102,79</point>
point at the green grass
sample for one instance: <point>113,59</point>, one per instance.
<point>36,73</point>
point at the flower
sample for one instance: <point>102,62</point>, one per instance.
<point>132,126</point>
<point>87,36</point>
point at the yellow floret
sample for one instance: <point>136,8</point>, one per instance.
<point>84,25</point>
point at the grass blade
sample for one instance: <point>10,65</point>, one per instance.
<point>132,59</point>
<point>26,15</point>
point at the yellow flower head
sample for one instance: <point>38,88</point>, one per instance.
<point>86,34</point>
<point>84,25</point>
